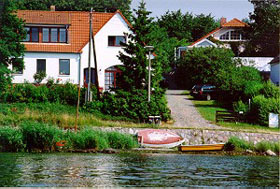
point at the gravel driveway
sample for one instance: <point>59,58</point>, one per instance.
<point>184,112</point>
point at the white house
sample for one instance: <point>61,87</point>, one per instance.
<point>275,70</point>
<point>231,31</point>
<point>58,42</point>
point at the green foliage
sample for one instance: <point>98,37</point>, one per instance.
<point>135,62</point>
<point>239,106</point>
<point>252,88</point>
<point>40,136</point>
<point>261,107</point>
<point>87,139</point>
<point>239,144</point>
<point>11,34</point>
<point>186,26</point>
<point>65,94</point>
<point>269,90</point>
<point>134,105</point>
<point>264,28</point>
<point>10,140</point>
<point>234,80</point>
<point>204,66</point>
<point>265,145</point>
<point>39,76</point>
<point>118,140</point>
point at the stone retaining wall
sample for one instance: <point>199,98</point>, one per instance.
<point>195,136</point>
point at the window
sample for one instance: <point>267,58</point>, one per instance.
<point>225,36</point>
<point>64,67</point>
<point>27,38</point>
<point>15,66</point>
<point>62,35</point>
<point>54,34</point>
<point>46,34</point>
<point>41,65</point>
<point>232,35</point>
<point>111,77</point>
<point>235,35</point>
<point>116,40</point>
<point>32,34</point>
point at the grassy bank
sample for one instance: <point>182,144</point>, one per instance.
<point>33,136</point>
<point>60,115</point>
<point>208,109</point>
<point>239,145</point>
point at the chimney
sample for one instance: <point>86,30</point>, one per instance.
<point>52,7</point>
<point>223,21</point>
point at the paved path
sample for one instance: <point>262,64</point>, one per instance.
<point>184,112</point>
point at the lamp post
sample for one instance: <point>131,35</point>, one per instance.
<point>149,48</point>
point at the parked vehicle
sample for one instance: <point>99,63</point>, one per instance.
<point>206,91</point>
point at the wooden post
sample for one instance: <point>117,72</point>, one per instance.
<point>96,68</point>
<point>89,57</point>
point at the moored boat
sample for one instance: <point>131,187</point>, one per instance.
<point>202,147</point>
<point>157,138</point>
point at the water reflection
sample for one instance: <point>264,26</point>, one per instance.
<point>136,170</point>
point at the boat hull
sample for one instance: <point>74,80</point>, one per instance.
<point>202,147</point>
<point>156,138</point>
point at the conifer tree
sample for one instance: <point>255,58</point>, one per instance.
<point>134,58</point>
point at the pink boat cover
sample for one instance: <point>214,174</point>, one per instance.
<point>157,136</point>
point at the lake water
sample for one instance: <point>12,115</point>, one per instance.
<point>64,170</point>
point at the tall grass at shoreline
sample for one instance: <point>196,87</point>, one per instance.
<point>237,144</point>
<point>34,136</point>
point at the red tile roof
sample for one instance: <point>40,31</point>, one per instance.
<point>233,23</point>
<point>78,28</point>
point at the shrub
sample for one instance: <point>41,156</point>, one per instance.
<point>261,107</point>
<point>11,140</point>
<point>121,141</point>
<point>239,106</point>
<point>253,88</point>
<point>269,90</point>
<point>40,136</point>
<point>39,76</point>
<point>239,144</point>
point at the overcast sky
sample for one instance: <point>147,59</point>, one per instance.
<point>218,8</point>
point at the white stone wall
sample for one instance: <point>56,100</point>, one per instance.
<point>52,67</point>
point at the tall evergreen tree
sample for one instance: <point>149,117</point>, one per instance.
<point>263,32</point>
<point>11,34</point>
<point>134,58</point>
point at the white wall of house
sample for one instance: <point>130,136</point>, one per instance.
<point>261,63</point>
<point>106,55</point>
<point>52,67</point>
<point>275,73</point>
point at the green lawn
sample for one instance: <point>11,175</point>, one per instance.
<point>208,109</point>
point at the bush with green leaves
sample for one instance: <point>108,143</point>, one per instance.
<point>261,107</point>
<point>253,88</point>
<point>11,140</point>
<point>265,145</point>
<point>40,136</point>
<point>270,90</point>
<point>135,105</point>
<point>39,76</point>
<point>239,106</point>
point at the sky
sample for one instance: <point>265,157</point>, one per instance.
<point>218,8</point>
